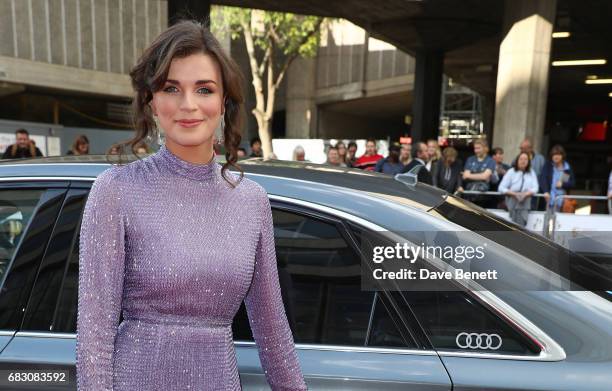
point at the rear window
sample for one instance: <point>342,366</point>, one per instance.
<point>583,273</point>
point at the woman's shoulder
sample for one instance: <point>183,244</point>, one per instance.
<point>251,188</point>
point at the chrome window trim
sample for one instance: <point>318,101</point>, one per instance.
<point>348,349</point>
<point>7,333</point>
<point>551,350</point>
<point>328,210</point>
<point>45,334</point>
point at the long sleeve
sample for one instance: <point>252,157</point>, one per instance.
<point>101,273</point>
<point>506,182</point>
<point>571,182</point>
<point>267,313</point>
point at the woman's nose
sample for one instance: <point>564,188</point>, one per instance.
<point>187,103</point>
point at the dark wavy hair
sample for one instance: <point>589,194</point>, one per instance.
<point>149,75</point>
<point>515,162</point>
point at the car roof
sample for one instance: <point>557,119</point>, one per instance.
<point>89,166</point>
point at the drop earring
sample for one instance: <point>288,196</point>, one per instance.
<point>161,139</point>
<point>220,130</point>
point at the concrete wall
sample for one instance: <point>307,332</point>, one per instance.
<point>349,66</point>
<point>105,36</point>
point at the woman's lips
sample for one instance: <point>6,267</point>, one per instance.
<point>190,123</point>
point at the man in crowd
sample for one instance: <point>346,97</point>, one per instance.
<point>333,157</point>
<point>23,148</point>
<point>256,150</point>
<point>391,164</point>
<point>500,167</point>
<point>351,154</point>
<point>479,168</point>
<point>537,160</point>
<point>420,157</point>
<point>370,157</point>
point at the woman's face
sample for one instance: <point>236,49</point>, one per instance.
<point>83,147</point>
<point>522,162</point>
<point>190,104</point>
<point>557,158</point>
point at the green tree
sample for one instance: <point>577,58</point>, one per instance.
<point>273,41</point>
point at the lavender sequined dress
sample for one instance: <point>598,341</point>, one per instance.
<point>174,248</point>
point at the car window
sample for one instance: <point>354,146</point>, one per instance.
<point>451,318</point>
<point>319,274</point>
<point>581,272</point>
<point>26,238</point>
<point>16,210</point>
<point>385,329</point>
<point>456,321</point>
<point>57,271</point>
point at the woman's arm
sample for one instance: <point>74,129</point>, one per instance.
<point>101,273</point>
<point>569,184</point>
<point>504,185</point>
<point>267,313</point>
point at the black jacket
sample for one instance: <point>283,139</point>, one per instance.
<point>423,175</point>
<point>20,153</point>
<point>454,182</point>
<point>547,175</point>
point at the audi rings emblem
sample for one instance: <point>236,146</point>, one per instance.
<point>478,341</point>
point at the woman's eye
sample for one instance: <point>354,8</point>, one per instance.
<point>205,90</point>
<point>167,89</point>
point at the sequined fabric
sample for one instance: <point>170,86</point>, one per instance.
<point>171,246</point>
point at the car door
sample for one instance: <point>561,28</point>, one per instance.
<point>346,338</point>
<point>45,339</point>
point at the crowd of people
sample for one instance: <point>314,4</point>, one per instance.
<point>530,172</point>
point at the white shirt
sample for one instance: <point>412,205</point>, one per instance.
<point>519,181</point>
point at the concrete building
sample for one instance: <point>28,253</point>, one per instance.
<point>64,63</point>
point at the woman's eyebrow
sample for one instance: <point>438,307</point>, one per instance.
<point>198,82</point>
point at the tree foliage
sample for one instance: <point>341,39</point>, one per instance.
<point>273,41</point>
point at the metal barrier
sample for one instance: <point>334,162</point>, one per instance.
<point>550,214</point>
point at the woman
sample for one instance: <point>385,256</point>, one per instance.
<point>557,177</point>
<point>405,156</point>
<point>448,171</point>
<point>519,184</point>
<point>174,242</point>
<point>80,146</point>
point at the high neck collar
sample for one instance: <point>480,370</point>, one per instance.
<point>199,172</point>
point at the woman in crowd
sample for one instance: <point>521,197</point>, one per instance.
<point>519,184</point>
<point>80,146</point>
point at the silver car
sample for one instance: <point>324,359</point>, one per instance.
<point>459,336</point>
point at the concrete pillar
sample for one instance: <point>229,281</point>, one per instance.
<point>428,71</point>
<point>301,108</point>
<point>522,75</point>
